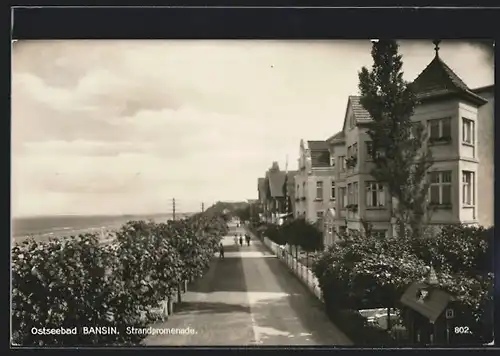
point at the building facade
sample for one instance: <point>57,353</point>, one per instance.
<point>314,181</point>
<point>276,194</point>
<point>455,117</point>
<point>485,151</point>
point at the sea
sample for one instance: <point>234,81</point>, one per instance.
<point>45,227</point>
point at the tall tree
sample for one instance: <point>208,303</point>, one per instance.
<point>400,154</point>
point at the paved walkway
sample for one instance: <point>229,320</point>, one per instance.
<point>249,298</point>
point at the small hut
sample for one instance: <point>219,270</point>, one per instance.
<point>428,314</point>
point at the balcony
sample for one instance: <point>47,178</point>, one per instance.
<point>443,140</point>
<point>352,207</point>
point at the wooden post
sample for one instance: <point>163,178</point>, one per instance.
<point>447,332</point>
<point>389,321</point>
<point>170,305</point>
<point>179,293</point>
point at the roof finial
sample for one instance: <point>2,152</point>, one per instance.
<point>436,46</point>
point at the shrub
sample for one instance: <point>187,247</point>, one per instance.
<point>366,272</point>
<point>363,272</point>
<point>75,282</point>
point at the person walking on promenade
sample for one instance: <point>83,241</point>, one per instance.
<point>247,237</point>
<point>236,239</point>
<point>221,251</point>
<point>241,240</point>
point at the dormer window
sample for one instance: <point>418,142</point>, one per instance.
<point>332,160</point>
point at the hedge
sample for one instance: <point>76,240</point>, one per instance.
<point>76,281</point>
<point>364,272</point>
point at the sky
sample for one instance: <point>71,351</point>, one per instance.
<point>122,127</point>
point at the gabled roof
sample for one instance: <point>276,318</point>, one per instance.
<point>338,138</point>
<point>277,183</point>
<point>317,145</point>
<point>338,135</point>
<point>361,115</point>
<point>437,80</point>
<point>432,307</point>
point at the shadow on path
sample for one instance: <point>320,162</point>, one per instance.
<point>210,307</point>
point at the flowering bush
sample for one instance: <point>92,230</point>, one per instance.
<point>77,281</point>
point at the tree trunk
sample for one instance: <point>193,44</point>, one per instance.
<point>179,293</point>
<point>296,257</point>
<point>389,321</point>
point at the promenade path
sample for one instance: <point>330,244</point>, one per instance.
<point>249,298</point>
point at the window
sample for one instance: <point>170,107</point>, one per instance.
<point>298,189</point>
<point>468,188</point>
<point>354,150</point>
<point>319,215</point>
<point>375,195</point>
<point>369,150</point>
<point>332,192</point>
<point>342,163</point>
<point>342,229</point>
<point>343,197</point>
<point>379,234</point>
<point>349,151</point>
<point>355,193</point>
<point>332,160</point>
<point>349,194</point>
<point>440,189</point>
<point>415,126</point>
<point>440,129</point>
<point>370,154</point>
<point>467,131</point>
<point>319,190</point>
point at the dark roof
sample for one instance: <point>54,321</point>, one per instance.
<point>339,135</point>
<point>276,183</point>
<point>432,307</point>
<point>360,113</point>
<point>437,79</point>
<point>317,145</point>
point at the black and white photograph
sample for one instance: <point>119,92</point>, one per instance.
<point>252,193</point>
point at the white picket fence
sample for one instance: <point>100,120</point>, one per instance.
<point>301,271</point>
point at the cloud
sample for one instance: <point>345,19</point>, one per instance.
<point>124,126</point>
